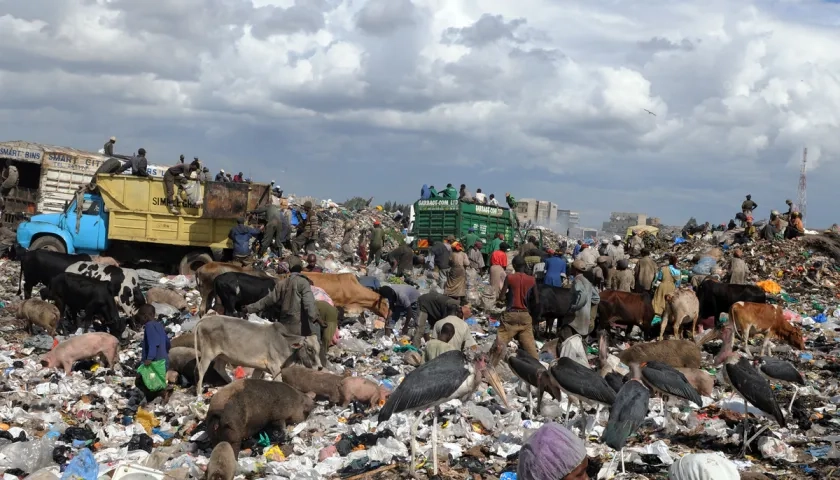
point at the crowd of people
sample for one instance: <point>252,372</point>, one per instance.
<point>464,195</point>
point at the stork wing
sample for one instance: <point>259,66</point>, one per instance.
<point>525,367</point>
<point>626,414</point>
<point>781,370</point>
<point>582,381</point>
<point>428,385</point>
<point>754,388</point>
<point>671,381</point>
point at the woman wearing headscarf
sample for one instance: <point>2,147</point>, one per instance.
<point>703,466</point>
<point>456,282</point>
<point>669,278</point>
<point>553,453</point>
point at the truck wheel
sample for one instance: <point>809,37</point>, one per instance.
<point>51,244</point>
<point>192,262</point>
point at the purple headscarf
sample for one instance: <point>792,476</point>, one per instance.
<point>551,453</point>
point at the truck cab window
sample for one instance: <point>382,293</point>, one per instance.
<point>89,207</point>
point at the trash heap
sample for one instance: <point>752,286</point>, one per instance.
<point>94,422</point>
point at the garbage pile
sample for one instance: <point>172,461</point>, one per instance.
<point>95,422</point>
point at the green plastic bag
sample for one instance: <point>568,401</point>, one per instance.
<point>154,375</point>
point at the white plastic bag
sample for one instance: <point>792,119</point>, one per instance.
<point>193,189</point>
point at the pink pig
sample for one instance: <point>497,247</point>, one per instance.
<point>79,347</point>
<point>362,390</point>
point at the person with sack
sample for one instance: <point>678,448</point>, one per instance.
<point>151,373</point>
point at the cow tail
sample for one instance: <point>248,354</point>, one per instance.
<point>20,279</point>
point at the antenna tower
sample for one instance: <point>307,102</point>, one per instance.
<point>802,201</point>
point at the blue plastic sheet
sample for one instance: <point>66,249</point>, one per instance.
<point>82,467</point>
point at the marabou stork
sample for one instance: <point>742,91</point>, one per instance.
<point>627,412</point>
<point>615,380</point>
<point>753,387</point>
<point>451,375</point>
<point>528,369</point>
<point>781,371</point>
<point>667,381</point>
<point>582,384</point>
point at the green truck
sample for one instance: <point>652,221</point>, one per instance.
<point>437,218</point>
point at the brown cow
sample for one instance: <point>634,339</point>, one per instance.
<point>208,272</point>
<point>345,291</point>
<point>625,309</point>
<point>767,319</point>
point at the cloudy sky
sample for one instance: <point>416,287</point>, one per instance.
<point>542,98</point>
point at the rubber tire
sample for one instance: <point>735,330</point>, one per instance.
<point>48,243</point>
<point>192,261</point>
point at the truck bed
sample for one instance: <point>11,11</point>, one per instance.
<point>137,211</point>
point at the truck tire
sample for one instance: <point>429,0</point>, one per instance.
<point>48,243</point>
<point>192,262</point>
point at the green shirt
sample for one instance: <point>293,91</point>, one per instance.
<point>377,237</point>
<point>470,239</point>
<point>436,347</point>
<point>451,193</point>
<point>495,243</point>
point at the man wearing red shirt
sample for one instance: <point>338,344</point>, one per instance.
<point>516,322</point>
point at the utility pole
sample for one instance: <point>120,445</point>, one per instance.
<point>802,200</point>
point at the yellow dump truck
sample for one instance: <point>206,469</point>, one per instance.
<point>127,218</point>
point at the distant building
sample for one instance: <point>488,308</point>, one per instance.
<point>620,221</point>
<point>538,212</point>
<point>574,219</point>
<point>653,221</point>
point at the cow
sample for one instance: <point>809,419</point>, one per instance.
<point>264,347</point>
<point>547,302</point>
<point>716,297</point>
<point>72,293</point>
<point>345,291</point>
<point>236,290</point>
<point>682,307</point>
<point>207,273</point>
<point>766,319</point>
<point>41,266</point>
<point>123,281</point>
<point>626,309</point>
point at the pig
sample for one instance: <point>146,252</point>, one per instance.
<point>166,296</point>
<point>104,260</point>
<point>182,364</point>
<point>38,312</point>
<point>258,405</point>
<point>362,390</point>
<point>222,465</point>
<point>221,398</point>
<point>699,379</point>
<point>323,384</point>
<point>80,347</point>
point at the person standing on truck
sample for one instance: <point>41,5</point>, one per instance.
<point>377,240</point>
<point>110,166</point>
<point>480,198</point>
<point>492,200</point>
<point>309,231</point>
<point>137,164</point>
<point>108,148</point>
<point>465,195</point>
<point>241,236</point>
<point>220,177</point>
<point>182,172</point>
<point>10,180</point>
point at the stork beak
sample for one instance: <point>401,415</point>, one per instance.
<point>496,382</point>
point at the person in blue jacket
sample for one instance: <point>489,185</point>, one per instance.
<point>241,235</point>
<point>555,269</point>
<point>155,347</point>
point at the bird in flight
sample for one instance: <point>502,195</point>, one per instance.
<point>648,111</point>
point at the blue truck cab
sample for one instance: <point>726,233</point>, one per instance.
<point>58,232</point>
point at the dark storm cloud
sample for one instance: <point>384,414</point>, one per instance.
<point>658,44</point>
<point>382,17</point>
<point>488,29</point>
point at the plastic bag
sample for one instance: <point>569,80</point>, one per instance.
<point>154,375</point>
<point>193,190</point>
<point>28,456</point>
<point>82,467</point>
<point>165,310</point>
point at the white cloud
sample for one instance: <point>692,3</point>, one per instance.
<point>508,93</point>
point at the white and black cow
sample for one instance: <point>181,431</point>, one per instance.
<point>124,281</point>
